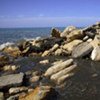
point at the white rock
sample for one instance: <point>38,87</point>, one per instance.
<point>63,72</point>
<point>56,68</point>
<point>95,55</point>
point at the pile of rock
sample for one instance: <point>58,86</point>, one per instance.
<point>71,43</point>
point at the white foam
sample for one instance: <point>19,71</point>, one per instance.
<point>2,46</point>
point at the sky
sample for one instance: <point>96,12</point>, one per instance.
<point>48,13</point>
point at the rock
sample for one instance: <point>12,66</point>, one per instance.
<point>10,67</point>
<point>41,93</point>
<point>85,38</point>
<point>55,33</point>
<point>44,61</point>
<point>46,53</point>
<point>82,50</point>
<point>34,79</point>
<point>50,51</point>
<point>4,59</point>
<point>69,46</point>
<point>16,97</point>
<point>89,40</point>
<point>96,41</point>
<point>75,34</point>
<point>2,46</point>
<point>15,90</point>
<point>63,72</point>
<point>67,31</point>
<point>95,55</point>
<point>11,80</point>
<point>54,48</point>
<point>64,77</point>
<point>1,96</point>
<point>59,52</point>
<point>12,50</point>
<point>56,68</point>
<point>90,34</point>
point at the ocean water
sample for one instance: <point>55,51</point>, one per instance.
<point>15,34</point>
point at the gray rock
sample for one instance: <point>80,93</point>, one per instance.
<point>82,50</point>
<point>11,80</point>
<point>1,96</point>
<point>15,90</point>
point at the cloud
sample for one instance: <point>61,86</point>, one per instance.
<point>41,15</point>
<point>23,21</point>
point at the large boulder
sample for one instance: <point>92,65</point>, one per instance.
<point>69,46</point>
<point>55,33</point>
<point>41,93</point>
<point>82,50</point>
<point>95,55</point>
<point>11,80</point>
<point>67,31</point>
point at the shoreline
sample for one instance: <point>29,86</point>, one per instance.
<point>64,65</point>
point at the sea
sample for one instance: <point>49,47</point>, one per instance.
<point>9,35</point>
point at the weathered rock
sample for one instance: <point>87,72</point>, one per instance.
<point>82,50</point>
<point>89,40</point>
<point>96,41</point>
<point>75,34</point>
<point>34,79</point>
<point>56,68</point>
<point>11,80</point>
<point>95,55</point>
<point>15,90</point>
<point>50,51</point>
<point>55,47</point>
<point>16,96</point>
<point>44,61</point>
<point>1,96</point>
<point>64,77</point>
<point>46,53</point>
<point>12,50</point>
<point>61,51</point>
<point>10,67</point>
<point>85,38</point>
<point>55,33</point>
<point>63,72</point>
<point>4,59</point>
<point>41,93</point>
<point>90,34</point>
<point>67,31</point>
<point>69,46</point>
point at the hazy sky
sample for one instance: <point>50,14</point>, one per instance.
<point>41,13</point>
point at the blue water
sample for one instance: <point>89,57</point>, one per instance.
<point>15,34</point>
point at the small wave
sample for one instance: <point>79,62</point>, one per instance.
<point>2,46</point>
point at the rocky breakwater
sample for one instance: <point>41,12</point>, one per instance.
<point>63,66</point>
